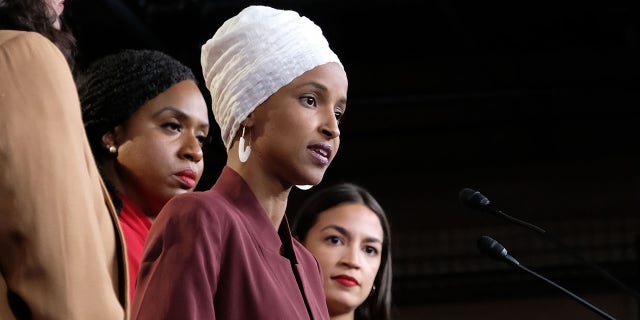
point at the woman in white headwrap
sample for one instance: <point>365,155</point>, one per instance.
<point>278,94</point>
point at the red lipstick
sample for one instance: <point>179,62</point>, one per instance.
<point>346,281</point>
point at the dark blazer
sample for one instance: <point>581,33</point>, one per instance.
<point>216,255</point>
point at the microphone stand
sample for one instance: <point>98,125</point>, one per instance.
<point>495,250</point>
<point>545,235</point>
<point>572,295</point>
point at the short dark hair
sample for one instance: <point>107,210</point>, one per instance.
<point>378,305</point>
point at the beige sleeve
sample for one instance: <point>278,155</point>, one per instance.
<point>59,245</point>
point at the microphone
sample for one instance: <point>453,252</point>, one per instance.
<point>476,200</point>
<point>494,249</point>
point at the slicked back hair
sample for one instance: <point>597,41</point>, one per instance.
<point>378,305</point>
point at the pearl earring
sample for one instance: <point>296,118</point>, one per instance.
<point>113,149</point>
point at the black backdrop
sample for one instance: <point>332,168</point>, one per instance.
<point>534,104</point>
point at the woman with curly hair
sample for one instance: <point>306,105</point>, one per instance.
<point>146,120</point>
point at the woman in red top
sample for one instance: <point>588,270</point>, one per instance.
<point>146,120</point>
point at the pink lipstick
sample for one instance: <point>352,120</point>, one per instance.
<point>187,178</point>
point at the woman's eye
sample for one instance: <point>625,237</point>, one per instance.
<point>333,240</point>
<point>172,126</point>
<point>310,101</point>
<point>371,250</point>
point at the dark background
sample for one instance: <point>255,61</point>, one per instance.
<point>534,104</point>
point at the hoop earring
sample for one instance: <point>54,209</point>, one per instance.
<point>243,153</point>
<point>112,149</point>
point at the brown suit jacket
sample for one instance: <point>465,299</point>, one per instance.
<point>61,247</point>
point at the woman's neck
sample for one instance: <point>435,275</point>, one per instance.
<point>270,192</point>
<point>343,316</point>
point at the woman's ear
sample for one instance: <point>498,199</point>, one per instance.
<point>248,122</point>
<point>111,138</point>
<point>108,139</point>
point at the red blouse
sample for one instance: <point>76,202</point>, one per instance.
<point>135,226</point>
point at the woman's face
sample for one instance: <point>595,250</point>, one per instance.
<point>160,147</point>
<point>56,7</point>
<point>295,133</point>
<point>347,241</point>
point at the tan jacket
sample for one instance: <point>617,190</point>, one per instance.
<point>61,247</point>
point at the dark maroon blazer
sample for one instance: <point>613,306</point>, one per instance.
<point>216,255</point>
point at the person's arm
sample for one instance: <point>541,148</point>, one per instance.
<point>178,273</point>
<point>58,241</point>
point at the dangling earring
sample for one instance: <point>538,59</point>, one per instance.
<point>112,149</point>
<point>373,290</point>
<point>243,153</point>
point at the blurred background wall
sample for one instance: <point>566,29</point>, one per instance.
<point>534,104</point>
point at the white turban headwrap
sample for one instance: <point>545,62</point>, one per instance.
<point>253,55</point>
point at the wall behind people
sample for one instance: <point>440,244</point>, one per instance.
<point>533,107</point>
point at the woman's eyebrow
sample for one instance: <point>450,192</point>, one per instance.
<point>179,114</point>
<point>339,229</point>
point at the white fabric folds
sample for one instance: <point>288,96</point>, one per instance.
<point>252,55</point>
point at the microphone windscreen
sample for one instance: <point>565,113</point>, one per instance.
<point>472,198</point>
<point>491,247</point>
